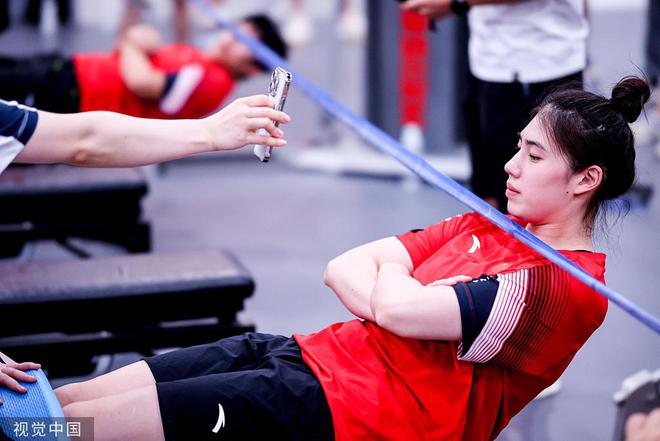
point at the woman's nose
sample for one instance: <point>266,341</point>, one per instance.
<point>511,166</point>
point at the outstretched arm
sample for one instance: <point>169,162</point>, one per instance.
<point>439,9</point>
<point>106,139</point>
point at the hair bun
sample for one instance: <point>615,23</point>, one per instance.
<point>629,96</point>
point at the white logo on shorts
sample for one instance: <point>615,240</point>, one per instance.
<point>221,420</point>
<point>475,244</point>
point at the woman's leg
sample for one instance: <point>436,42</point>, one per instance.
<point>236,353</point>
<point>223,388</point>
<point>131,377</point>
<point>132,415</point>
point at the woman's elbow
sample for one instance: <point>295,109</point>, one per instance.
<point>386,314</point>
<point>90,157</point>
<point>85,149</point>
<point>80,157</point>
<point>394,322</point>
<point>330,272</point>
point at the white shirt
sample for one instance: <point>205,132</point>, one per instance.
<point>532,41</point>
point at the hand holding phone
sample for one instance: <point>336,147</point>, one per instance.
<point>278,89</point>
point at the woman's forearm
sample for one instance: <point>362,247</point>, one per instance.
<point>405,307</point>
<point>107,139</point>
<point>113,140</point>
<point>352,275</point>
<point>352,281</point>
<point>138,74</point>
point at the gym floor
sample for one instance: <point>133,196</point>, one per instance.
<point>284,223</point>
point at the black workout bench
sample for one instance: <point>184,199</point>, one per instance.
<point>60,202</point>
<point>62,313</point>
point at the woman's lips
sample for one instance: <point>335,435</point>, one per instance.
<point>511,190</point>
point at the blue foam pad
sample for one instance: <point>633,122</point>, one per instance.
<point>38,404</point>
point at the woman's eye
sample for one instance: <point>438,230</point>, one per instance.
<point>534,158</point>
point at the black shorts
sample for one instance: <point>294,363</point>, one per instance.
<point>249,387</point>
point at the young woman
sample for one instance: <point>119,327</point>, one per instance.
<point>460,325</point>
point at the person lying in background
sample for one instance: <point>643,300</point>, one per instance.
<point>142,77</point>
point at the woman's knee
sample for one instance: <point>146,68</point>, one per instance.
<point>81,409</point>
<point>131,415</point>
<point>67,394</point>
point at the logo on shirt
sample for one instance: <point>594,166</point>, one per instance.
<point>221,419</point>
<point>475,244</point>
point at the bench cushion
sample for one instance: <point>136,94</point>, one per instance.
<point>61,193</point>
<point>121,291</point>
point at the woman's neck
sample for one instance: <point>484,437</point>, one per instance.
<point>563,235</point>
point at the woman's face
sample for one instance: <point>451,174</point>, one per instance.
<point>540,187</point>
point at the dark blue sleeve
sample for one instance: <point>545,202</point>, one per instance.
<point>17,121</point>
<point>475,300</point>
<point>169,82</point>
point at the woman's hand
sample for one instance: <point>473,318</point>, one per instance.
<point>11,373</point>
<point>237,124</point>
<point>641,427</point>
<point>433,9</point>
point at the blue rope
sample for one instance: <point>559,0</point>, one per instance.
<point>379,139</point>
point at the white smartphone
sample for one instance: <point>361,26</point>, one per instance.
<point>278,89</point>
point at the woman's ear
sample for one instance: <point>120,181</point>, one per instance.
<point>588,180</point>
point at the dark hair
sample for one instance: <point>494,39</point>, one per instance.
<point>269,34</point>
<point>591,130</point>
